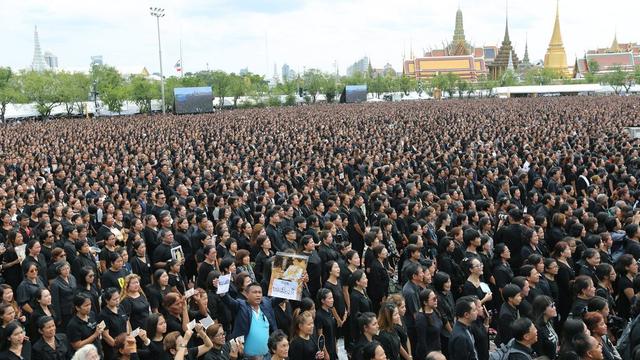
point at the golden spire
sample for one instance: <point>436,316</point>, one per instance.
<point>556,38</point>
<point>615,47</point>
<point>556,58</point>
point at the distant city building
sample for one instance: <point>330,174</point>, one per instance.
<point>361,66</point>
<point>244,71</point>
<point>459,57</point>
<point>288,73</point>
<point>38,63</point>
<point>50,60</point>
<point>97,60</point>
<point>623,56</point>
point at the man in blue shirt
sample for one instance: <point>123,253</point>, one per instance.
<point>254,319</point>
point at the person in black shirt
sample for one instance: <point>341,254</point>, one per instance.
<point>84,258</point>
<point>140,263</point>
<point>325,322</point>
<point>115,319</point>
<point>162,252</point>
<point>304,344</point>
<point>265,253</point>
<point>155,292</point>
<point>360,303</point>
<point>14,342</point>
<point>134,302</point>
<point>326,251</point>
<point>209,264</point>
<point>508,313</point>
<point>368,329</point>
<point>105,253</point>
<point>388,335</point>
<point>63,288</point>
<point>379,277</point>
<point>114,276</point>
<point>43,349</point>
<point>83,328</point>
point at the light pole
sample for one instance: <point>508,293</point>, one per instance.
<point>158,13</point>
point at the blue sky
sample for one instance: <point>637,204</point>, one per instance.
<point>231,35</point>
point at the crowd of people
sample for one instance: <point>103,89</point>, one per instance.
<point>463,230</point>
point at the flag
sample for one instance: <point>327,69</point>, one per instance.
<point>178,66</point>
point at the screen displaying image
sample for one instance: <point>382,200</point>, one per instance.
<point>193,100</point>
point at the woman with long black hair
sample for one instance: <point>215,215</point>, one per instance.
<point>379,277</point>
<point>158,289</point>
<point>42,307</point>
<point>140,263</point>
<point>325,323</point>
<point>543,313</point>
<point>428,324</point>
<point>565,277</point>
<point>14,344</point>
<point>360,303</point>
<point>446,307</point>
<point>115,319</point>
<point>339,309</point>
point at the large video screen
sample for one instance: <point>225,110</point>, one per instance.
<point>193,100</point>
<point>356,93</point>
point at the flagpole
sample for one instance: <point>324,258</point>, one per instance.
<point>181,63</point>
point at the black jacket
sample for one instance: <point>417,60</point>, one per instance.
<point>461,343</point>
<point>506,317</point>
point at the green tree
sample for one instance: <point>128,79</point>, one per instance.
<point>541,76</point>
<point>447,83</point>
<point>110,86</point>
<point>221,82</point>
<point>462,86</point>
<point>617,79</point>
<point>237,87</point>
<point>591,76</point>
<point>313,82</point>
<point>508,78</point>
<point>74,90</point>
<point>43,89</point>
<point>329,87</point>
<point>141,91</point>
<point>10,90</point>
<point>406,84</point>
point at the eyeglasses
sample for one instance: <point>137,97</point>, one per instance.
<point>221,334</point>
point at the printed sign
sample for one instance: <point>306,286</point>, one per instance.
<point>286,276</point>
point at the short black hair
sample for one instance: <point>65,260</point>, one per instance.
<point>510,290</point>
<point>521,327</point>
<point>463,305</point>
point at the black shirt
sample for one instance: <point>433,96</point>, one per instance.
<point>113,279</point>
<point>42,350</point>
<point>78,330</point>
<point>327,323</point>
<point>142,269</point>
<point>137,309</point>
<point>116,324</point>
<point>390,342</point>
<point>301,349</point>
<point>203,272</point>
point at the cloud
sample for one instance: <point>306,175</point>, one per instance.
<point>231,35</point>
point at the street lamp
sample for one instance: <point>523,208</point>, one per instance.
<point>158,13</point>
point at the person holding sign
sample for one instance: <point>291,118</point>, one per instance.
<point>254,320</point>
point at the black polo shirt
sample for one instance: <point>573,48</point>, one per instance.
<point>78,330</point>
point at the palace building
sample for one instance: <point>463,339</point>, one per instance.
<point>623,56</point>
<point>459,57</point>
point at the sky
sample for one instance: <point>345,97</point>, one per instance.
<point>256,34</point>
